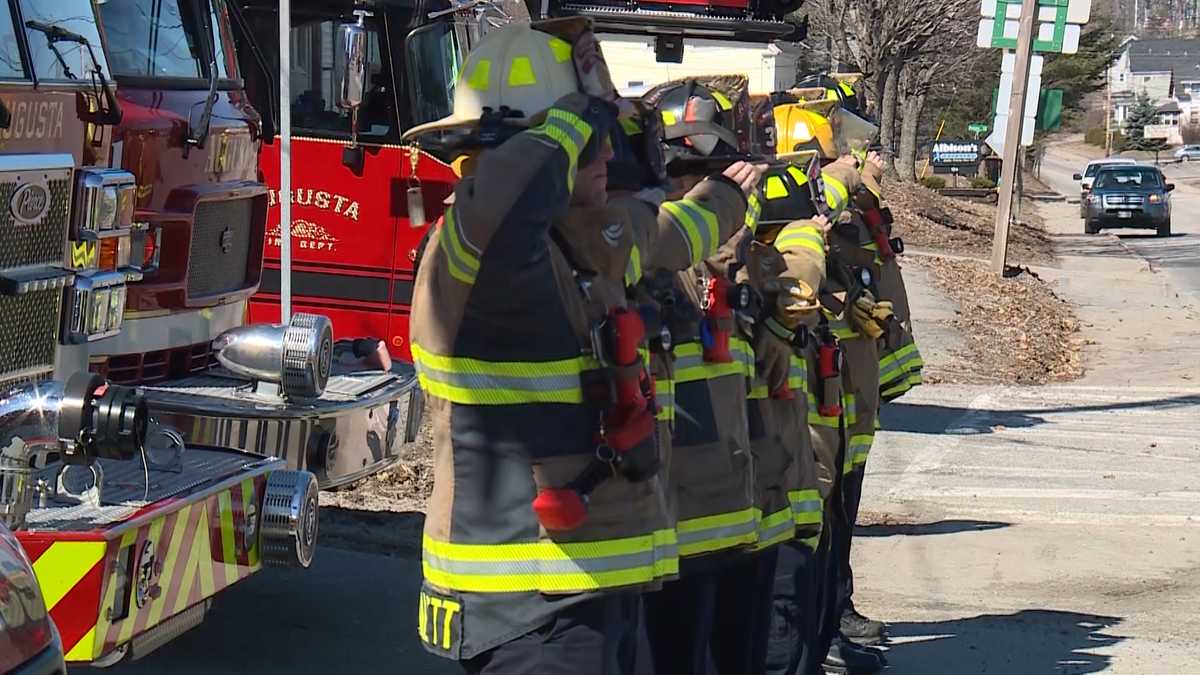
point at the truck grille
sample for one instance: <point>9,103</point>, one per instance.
<point>28,333</point>
<point>156,366</point>
<point>1124,200</point>
<point>43,242</point>
<point>221,243</point>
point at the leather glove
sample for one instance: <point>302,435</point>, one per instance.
<point>883,312</point>
<point>862,317</point>
<point>794,301</point>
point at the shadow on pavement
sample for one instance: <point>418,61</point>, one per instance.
<point>385,532</point>
<point>920,529</point>
<point>1024,643</point>
<point>926,418</point>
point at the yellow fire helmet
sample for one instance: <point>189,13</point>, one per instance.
<point>518,68</point>
<point>805,126</point>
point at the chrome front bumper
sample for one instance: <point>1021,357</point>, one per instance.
<point>355,429</point>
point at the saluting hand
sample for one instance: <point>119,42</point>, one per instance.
<point>746,175</point>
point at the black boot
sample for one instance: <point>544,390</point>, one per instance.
<point>860,628</point>
<point>847,658</point>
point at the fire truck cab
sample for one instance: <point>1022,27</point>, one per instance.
<point>354,241</point>
<point>128,530</point>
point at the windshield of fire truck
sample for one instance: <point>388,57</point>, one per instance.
<point>59,60</point>
<point>12,67</point>
<point>167,38</point>
<point>434,58</point>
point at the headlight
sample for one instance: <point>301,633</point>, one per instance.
<point>104,201</point>
<point>95,307</point>
<point>1155,199</point>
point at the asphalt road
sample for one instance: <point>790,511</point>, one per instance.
<point>351,612</point>
<point>1178,255</point>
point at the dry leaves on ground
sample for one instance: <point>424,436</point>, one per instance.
<point>406,486</point>
<point>925,219</point>
<point>1017,330</point>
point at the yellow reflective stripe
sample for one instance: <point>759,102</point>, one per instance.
<point>561,49</point>
<point>798,374</point>
<point>548,566</point>
<point>860,448</point>
<point>840,327</point>
<point>668,118</point>
<point>775,188</point>
<point>480,75</point>
<point>753,210</point>
<point>630,126</point>
<point>722,100</point>
<point>775,528</point>
<point>806,506</point>
<point>633,269</point>
<point>717,532</point>
<point>801,236</point>
<point>664,395</point>
<point>811,542</point>
<point>462,263</point>
<point>697,225</point>
<point>848,402</point>
<point>836,192</point>
<point>473,381</point>
<point>64,565</point>
<point>690,365</point>
<point>799,176</point>
<point>758,391</point>
<point>570,132</point>
<point>520,72</point>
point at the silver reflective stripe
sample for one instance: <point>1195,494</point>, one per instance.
<point>807,506</point>
<point>718,532</point>
<point>510,382</point>
<point>769,534</point>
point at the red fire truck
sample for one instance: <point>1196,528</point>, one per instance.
<point>354,242</point>
<point>128,530</point>
<point>352,177</point>
<point>191,138</point>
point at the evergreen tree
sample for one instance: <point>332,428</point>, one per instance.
<point>1142,113</point>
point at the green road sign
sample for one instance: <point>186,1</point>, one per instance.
<point>1054,44</point>
<point>1050,107</point>
<point>977,127</point>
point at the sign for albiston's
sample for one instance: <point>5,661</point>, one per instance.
<point>955,153</point>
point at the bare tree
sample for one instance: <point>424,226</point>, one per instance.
<point>880,37</point>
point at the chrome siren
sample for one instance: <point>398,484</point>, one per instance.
<point>296,356</point>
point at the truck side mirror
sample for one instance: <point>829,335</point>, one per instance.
<point>354,80</point>
<point>1077,177</point>
<point>354,67</point>
<point>1170,187</point>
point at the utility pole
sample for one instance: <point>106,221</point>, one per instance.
<point>1012,134</point>
<point>1108,113</point>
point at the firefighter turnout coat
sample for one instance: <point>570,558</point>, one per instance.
<point>501,327</point>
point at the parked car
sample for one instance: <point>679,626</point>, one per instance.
<point>1187,153</point>
<point>1089,174</point>
<point>1129,196</point>
<point>29,642</point>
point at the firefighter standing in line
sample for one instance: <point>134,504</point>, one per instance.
<point>789,222</point>
<point>547,519</point>
<point>711,471</point>
<point>802,126</point>
<point>787,488</point>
